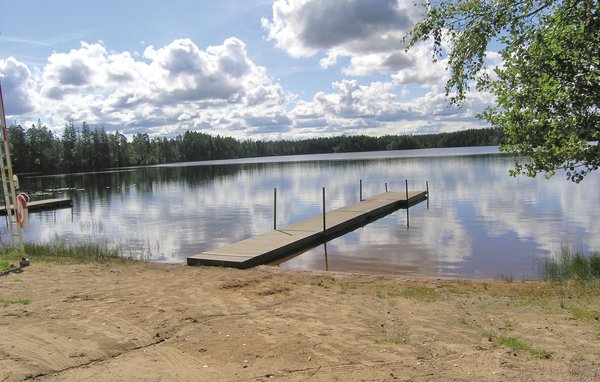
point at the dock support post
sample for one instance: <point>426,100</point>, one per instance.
<point>324,223</point>
<point>275,209</point>
<point>407,204</point>
<point>427,190</point>
<point>360,191</point>
<point>386,190</point>
<point>326,259</point>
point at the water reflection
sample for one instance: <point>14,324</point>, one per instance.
<point>481,222</point>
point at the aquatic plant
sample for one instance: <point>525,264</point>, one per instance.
<point>572,265</point>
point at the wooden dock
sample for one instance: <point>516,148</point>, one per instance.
<point>44,205</point>
<point>282,242</point>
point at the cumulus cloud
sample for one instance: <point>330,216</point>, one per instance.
<point>166,90</point>
<point>180,86</point>
<point>375,109</point>
<point>17,82</point>
<point>368,32</point>
<point>303,27</point>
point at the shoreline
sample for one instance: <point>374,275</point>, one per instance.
<point>151,321</point>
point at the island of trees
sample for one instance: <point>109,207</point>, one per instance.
<point>83,148</point>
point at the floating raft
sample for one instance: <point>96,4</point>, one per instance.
<point>44,205</point>
<point>282,242</point>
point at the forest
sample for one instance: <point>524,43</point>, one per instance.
<point>83,148</point>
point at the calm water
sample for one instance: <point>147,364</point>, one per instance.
<point>481,222</point>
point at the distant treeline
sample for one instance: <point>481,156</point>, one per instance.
<point>82,148</point>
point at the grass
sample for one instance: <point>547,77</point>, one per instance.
<point>386,294</point>
<point>412,292</point>
<point>4,263</point>
<point>321,283</point>
<point>583,314</point>
<point>61,253</point>
<point>397,341</point>
<point>421,293</point>
<point>517,345</point>
<point>345,287</point>
<point>572,265</point>
<point>23,301</point>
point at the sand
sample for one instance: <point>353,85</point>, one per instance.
<point>156,322</point>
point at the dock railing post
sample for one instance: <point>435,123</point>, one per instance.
<point>427,190</point>
<point>360,191</point>
<point>324,223</point>
<point>275,209</point>
<point>407,204</point>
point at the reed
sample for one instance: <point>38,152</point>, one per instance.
<point>62,253</point>
<point>572,265</point>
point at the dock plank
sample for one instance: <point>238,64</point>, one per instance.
<point>275,244</point>
<point>43,205</point>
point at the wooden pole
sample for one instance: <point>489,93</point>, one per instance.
<point>386,187</point>
<point>407,205</point>
<point>275,208</point>
<point>324,223</point>
<point>427,189</point>
<point>360,191</point>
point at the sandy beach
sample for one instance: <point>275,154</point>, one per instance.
<point>155,322</point>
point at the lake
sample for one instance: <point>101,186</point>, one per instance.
<point>481,223</point>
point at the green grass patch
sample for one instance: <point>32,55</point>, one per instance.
<point>517,345</point>
<point>397,341</point>
<point>531,299</point>
<point>64,253</point>
<point>321,283</point>
<point>584,314</point>
<point>388,294</point>
<point>345,287</point>
<point>4,263</point>
<point>412,292</point>
<point>572,265</point>
<point>421,293</point>
<point>22,301</point>
<point>9,259</point>
<point>511,343</point>
<point>463,321</point>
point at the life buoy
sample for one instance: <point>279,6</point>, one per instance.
<point>20,209</point>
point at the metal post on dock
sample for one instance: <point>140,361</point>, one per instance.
<point>360,191</point>
<point>275,209</point>
<point>407,204</point>
<point>427,190</point>
<point>324,224</point>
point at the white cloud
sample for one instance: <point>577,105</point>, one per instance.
<point>303,27</point>
<point>168,90</point>
<point>375,109</point>
<point>17,82</point>
<point>180,86</point>
<point>368,32</point>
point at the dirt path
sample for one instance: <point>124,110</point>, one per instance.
<point>152,322</point>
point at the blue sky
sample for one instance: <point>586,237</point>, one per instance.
<point>248,69</point>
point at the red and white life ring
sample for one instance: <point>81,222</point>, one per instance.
<point>21,209</point>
